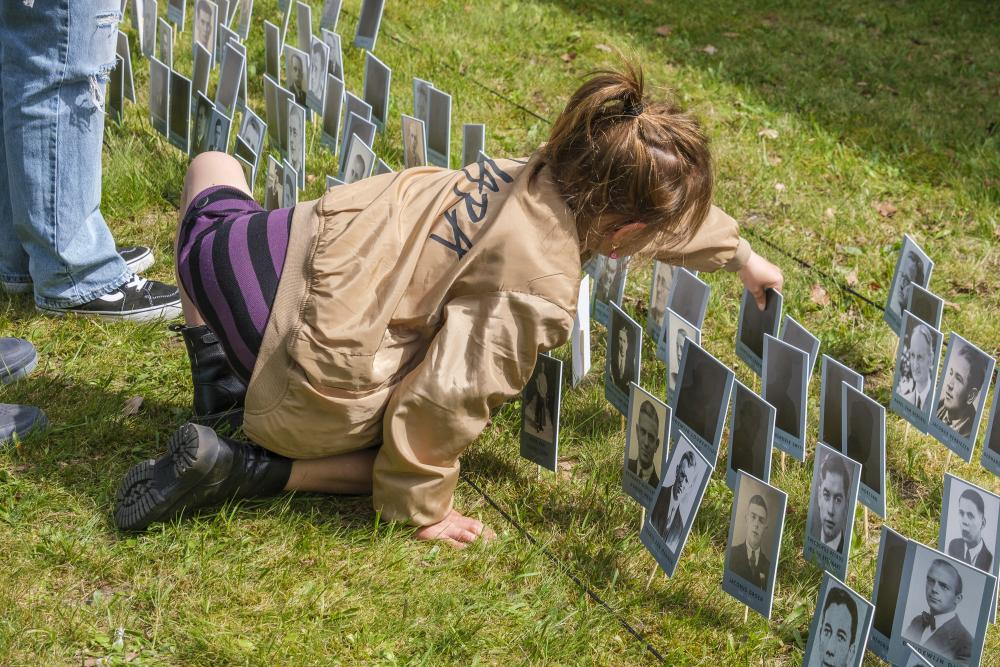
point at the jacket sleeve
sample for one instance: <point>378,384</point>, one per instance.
<point>482,356</point>
<point>717,245</point>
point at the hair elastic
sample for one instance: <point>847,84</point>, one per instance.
<point>634,108</point>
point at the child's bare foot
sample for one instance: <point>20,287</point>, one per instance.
<point>456,530</point>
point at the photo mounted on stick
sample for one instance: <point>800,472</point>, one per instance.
<point>647,434</point>
<point>335,63</point>
<point>180,110</point>
<point>290,186</point>
<point>701,399</point>
<point>659,294</point>
<point>622,362</point>
<point>359,162</point>
<point>689,297</point>
<point>916,370</point>
<point>540,403</point>
<point>159,95</point>
<point>609,286</point>
<point>863,425</point>
<point>369,19</point>
<point>798,336</point>
<point>785,383</point>
<point>961,396</point>
<point>272,184</point>
<point>754,324</point>
<point>438,128</point>
<point>206,17</point>
<point>754,542</point>
<point>833,375</point>
<point>670,346</point>
<point>892,551</point>
<point>913,267</point>
<point>319,57</point>
<point>970,526</point>
<point>925,304</point>
<point>840,625</point>
<point>991,446</point>
<point>751,433</point>
<point>945,607</point>
<point>830,520</point>
<point>297,141</point>
<point>414,142</point>
<point>669,521</point>
<point>473,142</point>
<point>580,335</point>
<point>295,73</point>
<point>377,78</point>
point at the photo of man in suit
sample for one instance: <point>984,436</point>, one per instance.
<point>960,390</point>
<point>622,353</point>
<point>647,437</point>
<point>831,499</point>
<point>663,276</point>
<point>970,547</point>
<point>749,431</point>
<point>939,629</point>
<point>748,559</point>
<point>837,642</point>
<point>667,517</point>
<point>918,359</point>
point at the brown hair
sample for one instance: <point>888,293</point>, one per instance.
<point>613,152</point>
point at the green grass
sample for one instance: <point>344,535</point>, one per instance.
<point>872,101</point>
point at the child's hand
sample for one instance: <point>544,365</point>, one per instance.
<point>758,274</point>
<point>456,531</point>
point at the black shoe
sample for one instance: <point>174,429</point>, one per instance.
<point>17,358</point>
<point>218,392</point>
<point>18,421</point>
<point>137,258</point>
<point>139,300</point>
<point>200,469</point>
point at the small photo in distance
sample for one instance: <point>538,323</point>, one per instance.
<point>359,162</point>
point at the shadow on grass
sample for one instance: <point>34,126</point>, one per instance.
<point>911,83</point>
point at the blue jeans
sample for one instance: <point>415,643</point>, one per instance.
<point>55,56</point>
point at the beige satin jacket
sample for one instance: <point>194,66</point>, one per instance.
<point>412,304</point>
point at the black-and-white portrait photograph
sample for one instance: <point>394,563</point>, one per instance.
<point>319,57</point>
<point>116,91</point>
<point>623,358</point>
<point>414,142</point>
<point>863,426</point>
<point>296,67</point>
<point>272,184</point>
<point>159,95</point>
<point>961,396</point>
<point>659,293</point>
<point>540,413</point>
<point>375,87</point>
<point>218,132</point>
<point>422,99</point>
<point>579,337</point>
<point>701,399</point>
<point>834,374</point>
<point>200,70</point>
<point>689,297</point>
<point>754,324</point>
<point>147,35</point>
<point>925,304</point>
<point>970,524</point>
<point>913,267</point>
<point>473,142</point>
<point>331,14</point>
<point>991,446</point>
<point>830,520</point>
<point>206,16</point>
<point>675,505</point>
<point>675,332</point>
<point>916,370</point>
<point>332,104</point>
<point>303,25</point>
<point>355,126</point>
<point>751,433</point>
<point>946,607</point>
<point>335,61</point>
<point>785,383</point>
<point>252,130</point>
<point>889,564</point>
<point>914,658</point>
<point>356,105</point>
<point>230,76</point>
<point>369,19</point>
<point>359,162</point>
<point>297,141</point>
<point>798,336</point>
<point>438,128</point>
<point>128,79</point>
<point>272,51</point>
<point>839,630</point>
<point>245,12</point>
<point>175,12</point>
<point>165,42</point>
<point>180,110</point>
<point>609,286</point>
<point>243,152</point>
<point>755,528</point>
<point>283,99</point>
<point>201,124</point>
<point>289,186</point>
<point>647,434</point>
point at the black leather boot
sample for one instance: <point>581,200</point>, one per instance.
<point>218,391</point>
<point>200,469</point>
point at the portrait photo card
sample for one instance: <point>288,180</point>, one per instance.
<point>369,19</point>
<point>960,398</point>
<point>838,633</point>
<point>438,127</point>
<point>670,346</point>
<point>647,438</point>
<point>798,336</point>
<point>659,294</point>
<point>702,399</point>
<point>892,550</point>
<point>609,286</point>
<point>830,520</point>
<point>754,324</point>
<point>751,434</point>
<point>473,142</point>
<point>785,385</point>
<point>833,374</point>
<point>375,87</point>
<point>623,358</point>
<point>913,267</point>
<point>925,304</point>
<point>689,297</point>
<point>916,371</point>
<point>540,404</point>
<point>863,426</point>
<point>580,335</point>
<point>991,445</point>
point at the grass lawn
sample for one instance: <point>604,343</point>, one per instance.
<point>871,102</point>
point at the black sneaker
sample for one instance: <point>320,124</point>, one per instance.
<point>139,300</point>
<point>137,258</point>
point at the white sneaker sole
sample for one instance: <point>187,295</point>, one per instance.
<point>165,312</point>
